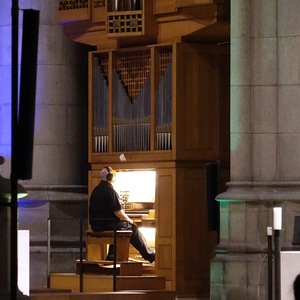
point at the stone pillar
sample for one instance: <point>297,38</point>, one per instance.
<point>58,188</point>
<point>265,144</point>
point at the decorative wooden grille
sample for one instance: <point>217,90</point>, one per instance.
<point>72,4</point>
<point>131,105</point>
<point>133,68</point>
<point>125,23</point>
<point>165,58</point>
<point>99,3</point>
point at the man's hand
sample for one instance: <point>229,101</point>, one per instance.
<point>122,216</point>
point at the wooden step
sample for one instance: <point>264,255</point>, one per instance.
<point>121,295</point>
<point>103,283</point>
<point>123,268</point>
<point>158,295</point>
<point>128,295</point>
<point>44,290</point>
<point>97,268</point>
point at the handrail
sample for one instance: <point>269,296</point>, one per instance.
<point>80,250</point>
<point>80,253</point>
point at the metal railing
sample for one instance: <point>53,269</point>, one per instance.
<point>79,242</point>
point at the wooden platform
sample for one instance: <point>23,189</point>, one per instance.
<point>90,296</point>
<point>123,268</point>
<point>102,283</point>
<point>122,295</point>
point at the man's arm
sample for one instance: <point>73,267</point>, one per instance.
<point>122,215</point>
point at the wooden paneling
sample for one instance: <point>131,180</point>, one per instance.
<point>199,92</point>
<point>91,283</point>
<point>164,6</point>
<point>166,223</point>
<point>96,283</point>
<point>68,10</point>
<point>198,101</point>
<point>165,207</point>
<point>194,241</point>
<point>181,3</point>
<point>164,258</point>
<point>140,283</point>
<point>98,10</point>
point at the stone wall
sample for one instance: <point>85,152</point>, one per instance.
<point>265,141</point>
<point>58,188</point>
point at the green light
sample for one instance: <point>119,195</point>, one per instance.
<point>224,200</point>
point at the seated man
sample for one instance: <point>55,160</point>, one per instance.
<point>106,213</point>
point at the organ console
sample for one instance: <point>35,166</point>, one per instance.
<point>164,108</point>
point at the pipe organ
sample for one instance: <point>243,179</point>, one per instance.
<point>164,102</point>
<point>131,97</point>
<point>159,101</point>
<point>131,101</point>
<point>100,103</point>
<point>162,106</point>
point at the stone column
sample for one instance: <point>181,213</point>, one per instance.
<point>58,188</point>
<point>265,142</point>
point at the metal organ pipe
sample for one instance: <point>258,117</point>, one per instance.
<point>131,103</point>
<point>131,118</point>
<point>100,118</point>
<point>164,110</point>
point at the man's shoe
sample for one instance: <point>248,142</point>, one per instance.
<point>110,257</point>
<point>151,258</point>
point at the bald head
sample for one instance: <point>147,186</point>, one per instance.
<point>107,173</point>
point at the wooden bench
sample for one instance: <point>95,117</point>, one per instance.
<point>97,244</point>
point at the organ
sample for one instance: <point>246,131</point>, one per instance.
<point>165,109</point>
<point>159,101</point>
<point>131,96</point>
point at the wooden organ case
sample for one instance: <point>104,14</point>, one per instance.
<point>165,108</point>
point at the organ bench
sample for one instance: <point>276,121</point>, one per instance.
<point>97,244</point>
